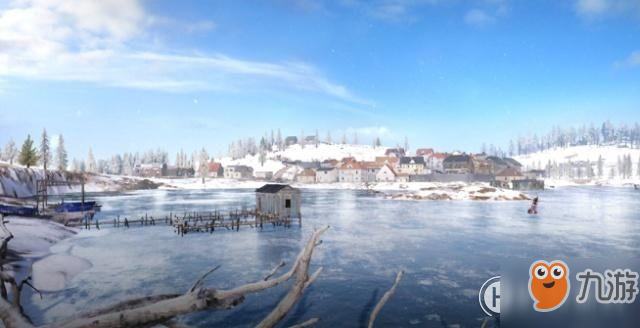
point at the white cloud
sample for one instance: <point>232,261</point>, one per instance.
<point>633,60</point>
<point>106,42</point>
<point>592,9</point>
<point>477,17</point>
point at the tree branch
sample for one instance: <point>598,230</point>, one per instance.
<point>384,299</point>
<point>302,277</point>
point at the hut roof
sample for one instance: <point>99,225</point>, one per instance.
<point>272,188</point>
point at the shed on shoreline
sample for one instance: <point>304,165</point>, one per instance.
<point>280,200</point>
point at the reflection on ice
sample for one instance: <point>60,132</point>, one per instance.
<point>448,249</point>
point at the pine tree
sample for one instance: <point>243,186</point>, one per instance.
<point>279,140</point>
<point>61,154</point>
<point>317,140</point>
<point>203,163</point>
<point>10,152</point>
<point>378,143</point>
<point>600,166</point>
<point>344,139</point>
<point>328,139</point>
<point>28,154</point>
<point>91,165</point>
<point>45,150</point>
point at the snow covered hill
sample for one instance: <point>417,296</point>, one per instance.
<point>612,158</point>
<point>308,153</point>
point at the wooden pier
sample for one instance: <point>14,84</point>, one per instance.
<point>187,222</point>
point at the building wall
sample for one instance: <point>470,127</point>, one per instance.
<point>327,176</point>
<point>274,203</point>
<point>385,175</point>
<point>350,175</point>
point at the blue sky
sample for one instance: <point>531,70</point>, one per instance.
<point>120,75</point>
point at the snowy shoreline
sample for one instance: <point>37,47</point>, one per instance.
<point>34,252</point>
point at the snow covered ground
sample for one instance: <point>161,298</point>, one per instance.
<point>610,155</point>
<point>308,153</point>
<point>34,241</point>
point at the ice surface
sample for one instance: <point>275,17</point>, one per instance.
<point>447,249</point>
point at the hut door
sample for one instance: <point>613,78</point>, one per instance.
<point>287,203</point>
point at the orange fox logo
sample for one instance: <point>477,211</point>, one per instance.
<point>549,285</point>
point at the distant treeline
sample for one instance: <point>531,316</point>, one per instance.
<point>605,134</point>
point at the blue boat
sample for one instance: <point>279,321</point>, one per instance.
<point>71,213</point>
<point>76,207</point>
<point>18,210</point>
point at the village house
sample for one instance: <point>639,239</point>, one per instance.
<point>395,152</point>
<point>382,160</point>
<point>151,170</point>
<point>513,163</point>
<point>505,177</point>
<point>215,170</point>
<point>434,162</point>
<point>327,175</point>
<point>282,201</point>
<point>329,163</point>
<point>174,171</point>
<point>306,176</point>
<point>238,172</point>
<point>402,177</point>
<point>350,171</point>
<point>411,165</point>
<point>424,152</point>
<point>263,175</point>
<point>369,171</point>
<point>386,174</point>
<point>290,140</point>
<point>458,164</point>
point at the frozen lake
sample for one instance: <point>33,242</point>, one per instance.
<point>447,248</point>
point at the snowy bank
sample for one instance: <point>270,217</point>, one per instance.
<point>454,191</point>
<point>32,245</point>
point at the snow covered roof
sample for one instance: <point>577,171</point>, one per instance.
<point>272,188</point>
<point>457,158</point>
<point>412,160</point>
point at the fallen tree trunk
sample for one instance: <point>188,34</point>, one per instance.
<point>158,310</point>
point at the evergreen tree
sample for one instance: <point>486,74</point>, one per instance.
<point>378,143</point>
<point>600,166</point>
<point>28,154</point>
<point>344,139</point>
<point>91,165</point>
<point>328,138</point>
<point>317,139</point>
<point>10,152</point>
<point>45,150</point>
<point>61,154</point>
<point>203,163</point>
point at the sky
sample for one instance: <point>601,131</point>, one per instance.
<point>126,75</point>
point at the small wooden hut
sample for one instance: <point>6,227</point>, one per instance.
<point>280,200</point>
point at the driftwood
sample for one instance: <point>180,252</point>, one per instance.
<point>160,310</point>
<point>302,282</point>
<point>384,299</point>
